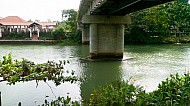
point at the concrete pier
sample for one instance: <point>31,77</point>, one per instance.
<point>106,36</point>
<point>85,34</point>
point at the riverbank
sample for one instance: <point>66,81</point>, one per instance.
<point>46,42</point>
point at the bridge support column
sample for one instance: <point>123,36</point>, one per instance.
<point>85,34</point>
<point>106,36</point>
<point>106,41</point>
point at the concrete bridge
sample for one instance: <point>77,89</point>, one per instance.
<point>102,23</point>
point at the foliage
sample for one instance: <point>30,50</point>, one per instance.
<point>24,35</point>
<point>76,36</point>
<point>71,19</point>
<point>15,71</point>
<point>116,94</point>
<point>61,101</point>
<point>175,91</point>
<point>46,36</point>
<point>18,35</point>
<point>70,25</point>
<point>58,33</point>
<point>160,22</point>
<point>67,29</point>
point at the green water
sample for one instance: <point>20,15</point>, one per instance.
<point>150,65</point>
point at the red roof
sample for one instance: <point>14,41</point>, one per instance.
<point>12,19</point>
<point>17,21</point>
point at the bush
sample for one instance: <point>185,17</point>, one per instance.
<point>175,91</point>
<point>116,94</point>
<point>18,35</point>
<point>46,36</point>
<point>58,33</point>
<point>76,36</point>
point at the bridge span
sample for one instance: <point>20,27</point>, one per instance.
<point>102,23</point>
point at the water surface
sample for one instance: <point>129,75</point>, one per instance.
<point>150,65</point>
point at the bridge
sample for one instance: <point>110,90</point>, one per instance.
<point>102,23</point>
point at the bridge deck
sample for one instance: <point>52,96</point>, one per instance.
<point>123,7</point>
<point>115,7</point>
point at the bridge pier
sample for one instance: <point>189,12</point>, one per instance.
<point>85,34</point>
<point>106,36</point>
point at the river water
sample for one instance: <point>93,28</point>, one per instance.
<point>150,65</point>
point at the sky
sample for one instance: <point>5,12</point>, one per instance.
<point>42,10</point>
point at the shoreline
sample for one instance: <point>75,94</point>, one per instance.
<point>48,42</point>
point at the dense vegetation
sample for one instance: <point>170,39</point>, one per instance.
<point>166,23</point>
<point>17,71</point>
<point>174,91</point>
<point>67,29</point>
<point>17,35</point>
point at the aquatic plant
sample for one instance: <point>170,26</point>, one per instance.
<point>16,71</point>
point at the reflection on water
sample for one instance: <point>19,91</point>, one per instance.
<point>97,74</point>
<point>150,65</point>
<point>153,63</point>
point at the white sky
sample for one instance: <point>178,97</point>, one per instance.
<point>36,9</point>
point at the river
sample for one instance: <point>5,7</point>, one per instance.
<point>150,65</point>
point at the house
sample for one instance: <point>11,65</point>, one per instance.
<point>17,24</point>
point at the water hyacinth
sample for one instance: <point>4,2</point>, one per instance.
<point>15,71</point>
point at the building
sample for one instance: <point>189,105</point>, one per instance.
<point>16,24</point>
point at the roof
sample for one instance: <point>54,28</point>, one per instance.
<point>17,21</point>
<point>34,24</point>
<point>47,23</point>
<point>12,19</point>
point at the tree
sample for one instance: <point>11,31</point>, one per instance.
<point>158,20</point>
<point>68,27</point>
<point>58,33</point>
<point>30,20</point>
<point>70,19</point>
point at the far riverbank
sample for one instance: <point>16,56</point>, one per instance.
<point>48,42</point>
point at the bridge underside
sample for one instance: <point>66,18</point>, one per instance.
<point>102,23</point>
<point>123,7</point>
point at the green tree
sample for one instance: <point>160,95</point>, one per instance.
<point>68,27</point>
<point>58,33</point>
<point>69,20</point>
<point>159,21</point>
<point>70,24</point>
